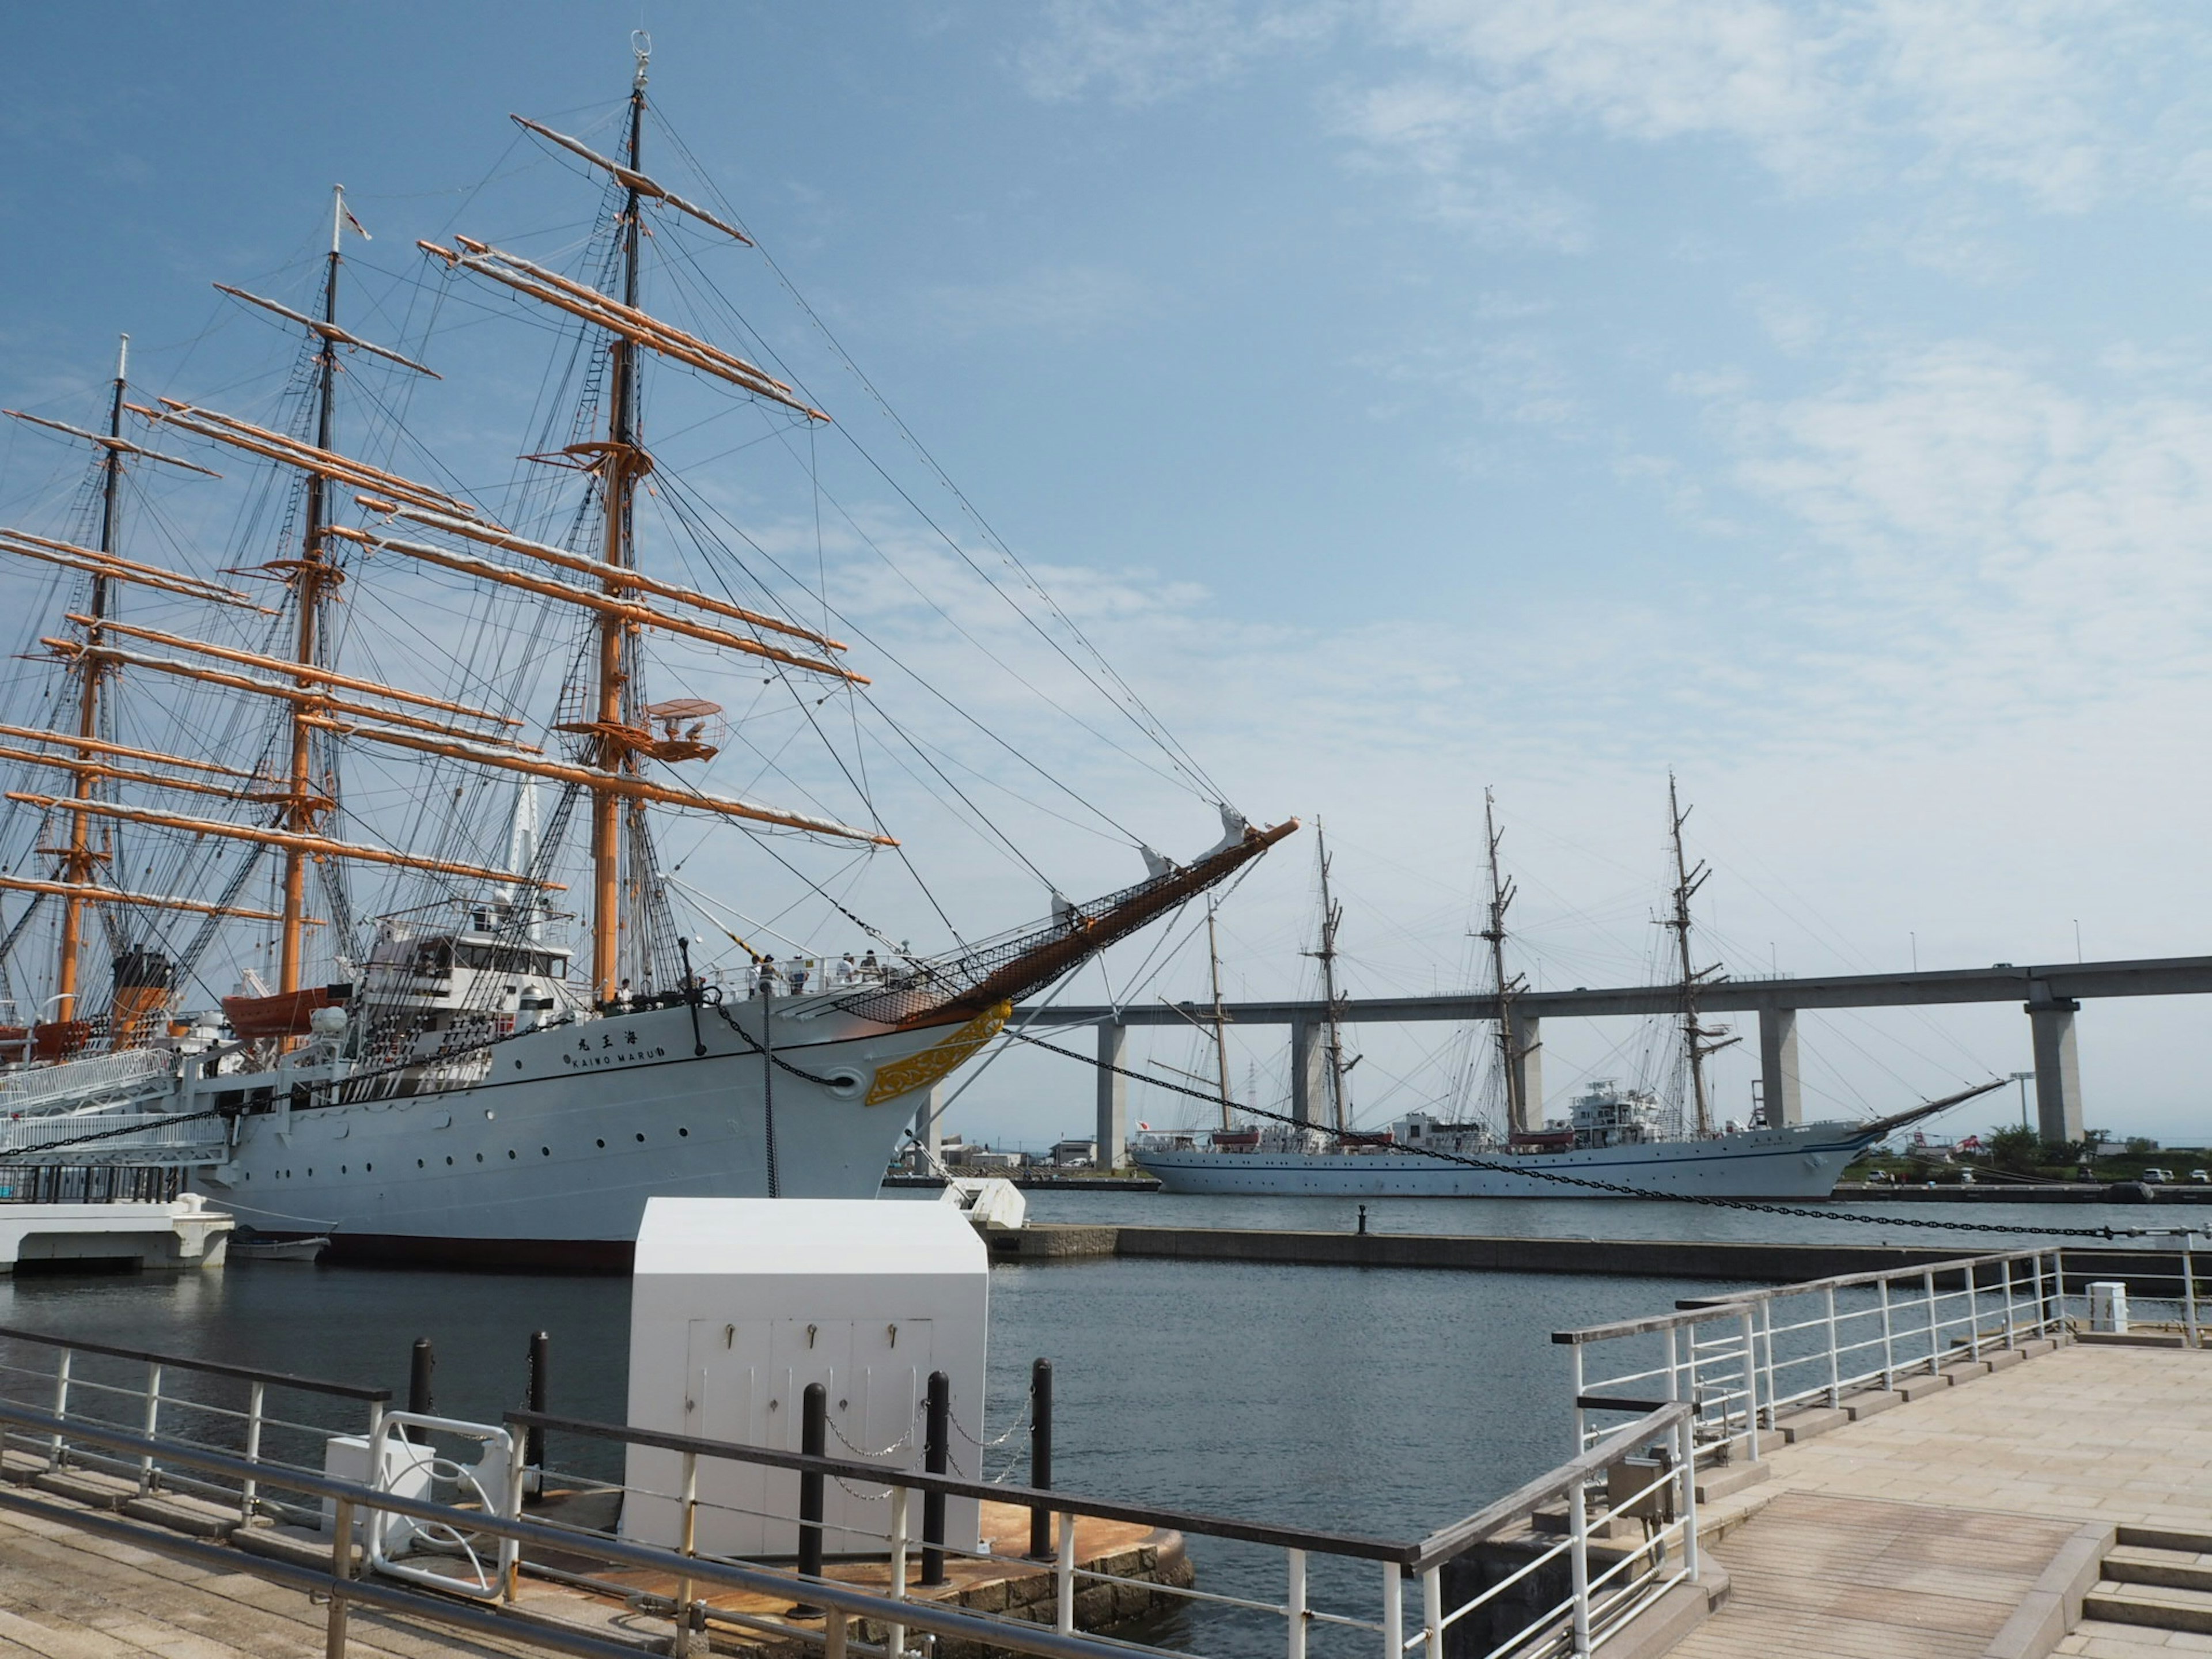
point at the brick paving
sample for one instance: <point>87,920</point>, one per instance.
<point>1914,1533</point>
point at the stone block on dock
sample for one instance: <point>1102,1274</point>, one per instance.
<point>302,1547</point>
<point>1871,1403</point>
<point>1919,1388</point>
<point>20,1469</point>
<point>1725,1479</point>
<point>195,1517</point>
<point>1963,1371</point>
<point>2004,1359</point>
<point>92,1488</point>
<point>1812,1420</point>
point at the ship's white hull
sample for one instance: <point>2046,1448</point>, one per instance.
<point>548,1160</point>
<point>1803,1161</point>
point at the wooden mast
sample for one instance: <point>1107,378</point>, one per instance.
<point>302,809</point>
<point>1510,1051</point>
<point>621,468</point>
<point>1696,1041</point>
<point>79,860</point>
<point>1332,912</point>
<point>1220,1018</point>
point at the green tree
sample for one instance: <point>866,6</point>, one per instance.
<point>2013,1147</point>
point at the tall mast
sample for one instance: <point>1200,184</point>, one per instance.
<point>623,464</point>
<point>1509,1052</point>
<point>79,859</point>
<point>1220,1019</point>
<point>1331,913</point>
<point>304,806</point>
<point>1697,1041</point>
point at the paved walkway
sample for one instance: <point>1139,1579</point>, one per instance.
<point>1915,1532</point>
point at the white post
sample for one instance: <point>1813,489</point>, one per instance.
<point>1432,1612</point>
<point>1578,1561</point>
<point>1581,1421</point>
<point>894,1636</point>
<point>2011,1340</point>
<point>1393,1611</point>
<point>2189,1288</point>
<point>1888,1350</point>
<point>1294,1604</point>
<point>1689,1499</point>
<point>2058,1289</point>
<point>1835,1360</point>
<point>1973,1315</point>
<point>61,1408</point>
<point>1750,1387</point>
<point>1064,1575</point>
<point>2042,1301</point>
<point>1675,1361</point>
<point>1766,1325</point>
<point>1934,1341</point>
<point>153,1422</point>
<point>254,1401</point>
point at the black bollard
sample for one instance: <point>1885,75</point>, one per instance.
<point>1363,1218</point>
<point>420,1364</point>
<point>936,1429</point>
<point>1040,1456</point>
<point>814,1441</point>
<point>533,1439</point>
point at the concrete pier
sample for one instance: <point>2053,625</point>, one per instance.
<point>2057,1069</point>
<point>1113,1095</point>
<point>1779,1090</point>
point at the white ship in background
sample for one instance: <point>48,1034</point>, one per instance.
<point>434,1074</point>
<point>1615,1138</point>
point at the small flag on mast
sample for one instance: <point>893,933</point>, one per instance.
<point>359,229</point>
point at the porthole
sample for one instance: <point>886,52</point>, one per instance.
<point>683,1131</point>
<point>510,1151</point>
<point>368,1168</point>
<point>310,1171</point>
<point>479,1159</point>
<point>544,1152</point>
<point>602,1146</point>
<point>418,1163</point>
<point>640,1135</point>
<point>489,1115</point>
<point>342,1169</point>
<point>449,1160</point>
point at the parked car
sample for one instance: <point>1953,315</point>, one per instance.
<point>2164,1175</point>
<point>2199,1178</point>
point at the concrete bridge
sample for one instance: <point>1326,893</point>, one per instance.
<point>2050,994</point>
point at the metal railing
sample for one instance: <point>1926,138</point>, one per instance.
<point>1319,1570</point>
<point>189,1405</point>
<point>1749,1359</point>
<point>454,1542</point>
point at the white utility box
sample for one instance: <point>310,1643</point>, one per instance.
<point>738,1303</point>
<point>407,1472</point>
<point>2108,1307</point>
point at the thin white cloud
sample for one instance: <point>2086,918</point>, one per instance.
<point>1059,299</point>
<point>1138,52</point>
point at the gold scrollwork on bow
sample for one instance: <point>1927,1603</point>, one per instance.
<point>939,1060</point>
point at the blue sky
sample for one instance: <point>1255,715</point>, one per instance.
<point>1410,395</point>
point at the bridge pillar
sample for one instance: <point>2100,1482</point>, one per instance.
<point>1113,1095</point>
<point>2058,1070</point>
<point>1528,1062</point>
<point>929,1124</point>
<point>1779,1089</point>
<point>1308,1070</point>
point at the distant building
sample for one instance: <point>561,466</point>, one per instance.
<point>1074,1154</point>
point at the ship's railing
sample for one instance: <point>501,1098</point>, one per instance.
<point>91,1183</point>
<point>1750,1358</point>
<point>110,1137</point>
<point>52,1088</point>
<point>273,1424</point>
<point>1544,1595</point>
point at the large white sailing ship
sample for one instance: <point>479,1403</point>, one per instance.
<point>439,1074</point>
<point>1616,1142</point>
